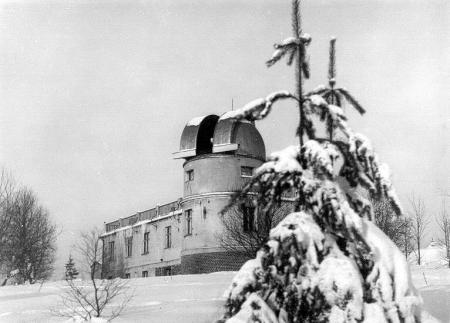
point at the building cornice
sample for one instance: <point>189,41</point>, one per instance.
<point>206,195</point>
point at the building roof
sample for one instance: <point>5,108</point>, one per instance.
<point>211,134</point>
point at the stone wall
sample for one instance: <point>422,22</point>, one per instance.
<point>212,262</point>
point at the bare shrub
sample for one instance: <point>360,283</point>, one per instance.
<point>246,233</point>
<point>95,297</point>
<point>419,224</point>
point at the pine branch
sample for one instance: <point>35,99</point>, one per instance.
<point>296,18</point>
<point>332,64</point>
<point>350,99</point>
<point>291,58</point>
<point>259,108</point>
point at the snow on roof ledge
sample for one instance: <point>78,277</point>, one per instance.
<point>168,215</point>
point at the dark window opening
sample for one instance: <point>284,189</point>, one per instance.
<point>127,276</point>
<point>165,271</point>
<point>248,216</point>
<point>246,171</point>
<point>205,135</point>
<point>189,175</point>
<point>146,239</point>
<point>111,250</point>
<point>129,243</point>
<point>188,222</point>
<point>168,237</point>
<point>145,273</point>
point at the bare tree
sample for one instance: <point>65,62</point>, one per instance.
<point>28,241</point>
<point>408,237</point>
<point>398,229</point>
<point>419,224</point>
<point>443,222</point>
<point>7,196</point>
<point>91,301</point>
<point>244,232</point>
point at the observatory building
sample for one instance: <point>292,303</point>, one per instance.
<point>182,237</point>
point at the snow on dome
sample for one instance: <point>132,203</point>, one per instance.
<point>195,121</point>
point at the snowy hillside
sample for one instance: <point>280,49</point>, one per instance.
<point>433,255</point>
<point>189,298</point>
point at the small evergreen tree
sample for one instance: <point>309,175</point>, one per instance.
<point>93,297</point>
<point>71,270</point>
<point>327,262</point>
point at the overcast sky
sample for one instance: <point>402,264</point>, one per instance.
<point>94,95</point>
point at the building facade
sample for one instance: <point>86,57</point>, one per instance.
<point>183,236</point>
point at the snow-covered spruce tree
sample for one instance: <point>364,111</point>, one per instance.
<point>327,262</point>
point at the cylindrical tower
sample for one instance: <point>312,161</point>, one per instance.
<point>220,156</point>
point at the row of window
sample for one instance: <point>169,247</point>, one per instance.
<point>246,171</point>
<point>167,240</point>
<point>161,271</point>
<point>248,225</point>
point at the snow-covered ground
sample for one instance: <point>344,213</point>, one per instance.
<point>187,298</point>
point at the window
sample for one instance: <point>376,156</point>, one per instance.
<point>146,236</point>
<point>188,221</point>
<point>248,216</point>
<point>189,175</point>
<point>246,171</point>
<point>129,244</point>
<point>111,248</point>
<point>168,237</point>
<point>127,275</point>
<point>145,273</point>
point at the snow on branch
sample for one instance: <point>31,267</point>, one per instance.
<point>245,280</point>
<point>318,105</point>
<point>292,46</point>
<point>256,309</point>
<point>303,257</point>
<point>259,108</point>
<point>361,156</point>
<point>320,157</point>
<point>286,160</point>
<point>370,168</point>
<point>320,89</point>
